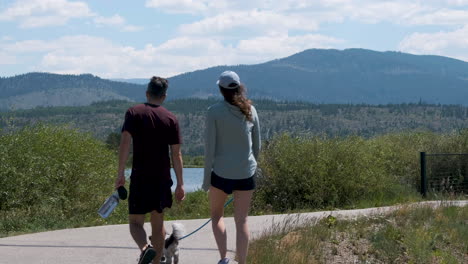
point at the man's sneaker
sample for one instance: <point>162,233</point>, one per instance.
<point>224,261</point>
<point>147,255</point>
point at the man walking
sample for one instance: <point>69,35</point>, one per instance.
<point>154,131</point>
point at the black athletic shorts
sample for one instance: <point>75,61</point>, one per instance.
<point>229,185</point>
<point>147,197</point>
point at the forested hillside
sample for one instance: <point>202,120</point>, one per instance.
<point>343,76</point>
<point>351,76</point>
<point>296,118</point>
<point>45,89</point>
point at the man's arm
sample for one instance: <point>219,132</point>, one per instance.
<point>124,151</point>
<point>177,163</point>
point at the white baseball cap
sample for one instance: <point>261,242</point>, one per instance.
<point>227,79</point>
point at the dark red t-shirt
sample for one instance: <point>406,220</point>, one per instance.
<point>153,129</point>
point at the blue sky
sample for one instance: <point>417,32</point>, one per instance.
<point>137,39</point>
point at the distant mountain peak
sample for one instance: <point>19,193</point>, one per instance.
<point>315,75</point>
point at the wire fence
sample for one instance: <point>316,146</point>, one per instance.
<point>444,173</point>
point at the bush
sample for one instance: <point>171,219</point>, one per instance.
<point>52,177</point>
<point>316,172</point>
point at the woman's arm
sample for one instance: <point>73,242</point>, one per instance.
<point>210,143</point>
<point>256,140</point>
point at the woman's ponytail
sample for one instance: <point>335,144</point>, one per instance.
<point>237,97</point>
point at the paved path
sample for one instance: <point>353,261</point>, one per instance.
<point>113,244</point>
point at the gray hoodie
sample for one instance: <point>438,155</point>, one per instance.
<point>232,144</point>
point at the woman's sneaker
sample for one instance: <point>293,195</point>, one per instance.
<point>224,261</point>
<point>147,255</point>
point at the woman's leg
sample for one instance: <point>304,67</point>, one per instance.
<point>217,200</point>
<point>242,201</point>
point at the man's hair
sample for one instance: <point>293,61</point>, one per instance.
<point>157,87</point>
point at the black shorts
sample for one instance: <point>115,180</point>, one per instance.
<point>147,197</point>
<point>229,185</point>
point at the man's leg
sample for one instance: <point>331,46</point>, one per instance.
<point>158,234</point>
<point>137,231</point>
<point>217,199</point>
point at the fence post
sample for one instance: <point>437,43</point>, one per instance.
<point>423,174</point>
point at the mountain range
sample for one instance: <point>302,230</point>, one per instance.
<point>351,76</point>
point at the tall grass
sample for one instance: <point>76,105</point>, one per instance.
<point>317,172</point>
<point>409,235</point>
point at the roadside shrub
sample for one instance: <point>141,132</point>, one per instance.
<point>400,152</point>
<point>317,172</point>
<point>50,176</point>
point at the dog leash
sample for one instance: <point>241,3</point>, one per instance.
<point>198,229</point>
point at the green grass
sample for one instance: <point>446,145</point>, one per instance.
<point>56,177</point>
<point>409,235</point>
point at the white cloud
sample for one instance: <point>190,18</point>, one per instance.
<point>432,12</point>
<point>131,28</point>
<point>226,32</point>
<point>379,11</point>
<point>44,21</point>
<point>188,45</point>
<point>457,2</point>
<point>115,20</point>
<point>209,7</point>
<point>30,46</point>
<point>272,47</point>
<point>100,56</point>
<point>108,59</point>
<point>7,59</point>
<point>253,20</point>
<point>43,13</point>
<point>40,13</point>
<point>453,43</point>
<point>79,54</point>
<point>368,11</point>
<point>428,12</point>
<point>180,6</point>
<point>6,38</point>
<point>441,17</point>
<point>267,25</point>
<point>266,16</point>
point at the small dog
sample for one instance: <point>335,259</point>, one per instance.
<point>171,245</point>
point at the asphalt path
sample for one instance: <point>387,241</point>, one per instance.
<point>113,244</point>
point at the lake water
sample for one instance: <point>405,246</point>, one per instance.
<point>193,178</point>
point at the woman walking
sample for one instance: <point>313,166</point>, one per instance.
<point>232,146</point>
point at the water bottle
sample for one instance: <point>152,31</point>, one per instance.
<point>109,205</point>
<point>113,200</point>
